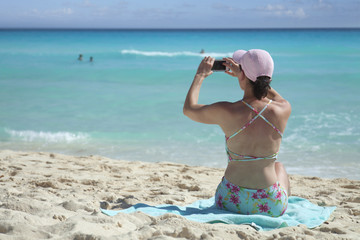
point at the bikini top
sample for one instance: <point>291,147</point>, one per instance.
<point>250,158</point>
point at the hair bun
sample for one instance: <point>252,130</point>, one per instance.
<point>261,86</point>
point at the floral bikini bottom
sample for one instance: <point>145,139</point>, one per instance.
<point>271,201</point>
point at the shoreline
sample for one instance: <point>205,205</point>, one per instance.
<point>50,195</point>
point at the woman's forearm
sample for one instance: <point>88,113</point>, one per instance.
<point>192,96</point>
<point>191,107</point>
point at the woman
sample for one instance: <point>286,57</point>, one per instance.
<point>253,182</point>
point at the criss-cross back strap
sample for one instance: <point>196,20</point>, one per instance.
<point>267,121</point>
<point>252,120</point>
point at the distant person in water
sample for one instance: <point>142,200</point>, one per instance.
<point>91,59</point>
<point>80,57</point>
<point>202,51</point>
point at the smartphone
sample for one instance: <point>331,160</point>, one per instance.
<point>218,66</point>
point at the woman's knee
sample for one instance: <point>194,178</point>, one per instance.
<point>280,169</point>
<point>279,165</point>
<point>282,175</point>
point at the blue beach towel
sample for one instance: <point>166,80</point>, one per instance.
<point>299,211</point>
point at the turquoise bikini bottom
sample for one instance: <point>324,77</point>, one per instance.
<point>271,201</point>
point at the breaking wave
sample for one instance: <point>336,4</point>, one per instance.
<point>49,137</point>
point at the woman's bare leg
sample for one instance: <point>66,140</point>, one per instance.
<point>282,176</point>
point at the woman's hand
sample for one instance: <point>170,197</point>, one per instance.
<point>233,66</point>
<point>205,66</point>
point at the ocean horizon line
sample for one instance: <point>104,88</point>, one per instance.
<point>181,29</point>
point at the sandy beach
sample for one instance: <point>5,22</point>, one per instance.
<point>48,195</point>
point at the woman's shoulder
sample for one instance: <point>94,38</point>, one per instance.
<point>228,105</point>
<point>230,110</point>
<point>282,106</point>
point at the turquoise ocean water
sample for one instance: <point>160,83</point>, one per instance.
<point>127,104</point>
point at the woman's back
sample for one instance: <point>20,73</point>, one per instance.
<point>261,138</point>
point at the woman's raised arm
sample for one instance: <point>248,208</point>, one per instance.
<point>210,114</point>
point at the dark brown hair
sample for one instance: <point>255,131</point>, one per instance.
<point>261,86</point>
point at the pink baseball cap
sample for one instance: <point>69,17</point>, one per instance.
<point>254,63</point>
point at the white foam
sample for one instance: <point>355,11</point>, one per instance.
<point>49,137</point>
<point>173,54</point>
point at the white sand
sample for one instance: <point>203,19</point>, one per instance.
<point>46,195</point>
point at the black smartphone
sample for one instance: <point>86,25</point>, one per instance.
<point>218,66</point>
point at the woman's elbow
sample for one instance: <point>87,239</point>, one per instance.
<point>186,110</point>
<point>189,112</point>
